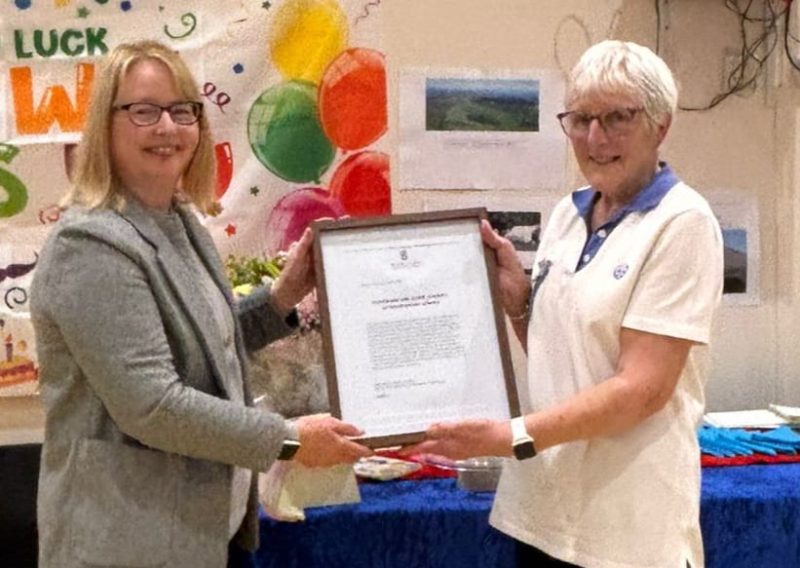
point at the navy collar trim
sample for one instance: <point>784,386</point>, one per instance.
<point>646,199</point>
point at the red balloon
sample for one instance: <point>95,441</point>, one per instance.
<point>224,156</point>
<point>361,183</point>
<point>295,211</point>
<point>352,98</point>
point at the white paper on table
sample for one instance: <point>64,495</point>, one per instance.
<point>790,413</point>
<point>760,418</point>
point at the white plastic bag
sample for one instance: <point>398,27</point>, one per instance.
<point>288,488</point>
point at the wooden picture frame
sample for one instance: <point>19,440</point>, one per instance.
<point>412,324</point>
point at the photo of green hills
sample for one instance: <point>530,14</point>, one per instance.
<point>495,105</point>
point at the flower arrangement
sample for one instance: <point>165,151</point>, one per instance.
<point>245,273</point>
<point>288,375</point>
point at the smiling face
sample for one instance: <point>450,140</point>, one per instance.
<point>150,160</point>
<point>620,164</point>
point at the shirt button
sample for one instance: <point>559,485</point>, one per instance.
<point>587,257</point>
<point>602,233</point>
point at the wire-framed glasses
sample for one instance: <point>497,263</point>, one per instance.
<point>615,122</point>
<point>184,113</point>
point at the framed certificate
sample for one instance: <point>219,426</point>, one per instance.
<point>413,330</point>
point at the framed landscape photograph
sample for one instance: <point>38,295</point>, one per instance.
<point>737,214</point>
<point>523,229</point>
<point>474,129</point>
<point>484,105</point>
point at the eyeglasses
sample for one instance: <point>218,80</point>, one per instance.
<point>616,122</point>
<point>184,113</point>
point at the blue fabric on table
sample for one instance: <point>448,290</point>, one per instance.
<point>403,524</point>
<point>749,515</point>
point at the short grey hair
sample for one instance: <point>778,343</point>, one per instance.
<point>625,68</point>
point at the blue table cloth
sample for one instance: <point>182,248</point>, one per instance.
<point>750,517</point>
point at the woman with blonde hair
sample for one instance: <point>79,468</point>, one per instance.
<point>151,439</point>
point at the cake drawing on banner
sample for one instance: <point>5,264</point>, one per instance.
<point>18,371</point>
<point>16,368</point>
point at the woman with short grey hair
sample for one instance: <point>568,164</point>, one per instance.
<point>616,321</point>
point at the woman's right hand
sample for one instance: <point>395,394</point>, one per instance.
<point>297,277</point>
<point>324,442</point>
<point>515,286</point>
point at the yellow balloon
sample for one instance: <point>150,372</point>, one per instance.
<point>305,36</point>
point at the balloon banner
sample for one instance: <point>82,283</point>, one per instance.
<point>224,157</point>
<point>361,183</point>
<point>295,211</point>
<point>305,36</point>
<point>352,98</point>
<point>285,133</point>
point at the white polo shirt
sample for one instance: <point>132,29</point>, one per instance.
<point>630,500</point>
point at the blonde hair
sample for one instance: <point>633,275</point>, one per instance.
<point>623,67</point>
<point>95,184</point>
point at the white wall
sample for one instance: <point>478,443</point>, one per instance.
<point>746,144</point>
<point>749,144</point>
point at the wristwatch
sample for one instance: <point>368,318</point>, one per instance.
<point>292,319</point>
<point>288,449</point>
<point>522,442</point>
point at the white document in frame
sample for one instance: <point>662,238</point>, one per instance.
<point>413,328</point>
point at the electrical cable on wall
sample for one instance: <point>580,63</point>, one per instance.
<point>658,27</point>
<point>788,35</point>
<point>750,65</point>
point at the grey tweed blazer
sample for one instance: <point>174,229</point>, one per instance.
<point>140,436</point>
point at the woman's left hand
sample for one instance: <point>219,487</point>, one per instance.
<point>297,277</point>
<point>515,286</point>
<point>465,439</point>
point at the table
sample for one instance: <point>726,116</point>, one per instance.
<point>750,518</point>
<point>19,472</point>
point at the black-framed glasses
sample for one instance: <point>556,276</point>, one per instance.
<point>184,113</point>
<point>615,122</point>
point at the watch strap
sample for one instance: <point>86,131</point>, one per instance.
<point>291,442</point>
<point>522,443</point>
<point>288,449</point>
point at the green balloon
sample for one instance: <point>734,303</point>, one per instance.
<point>285,133</point>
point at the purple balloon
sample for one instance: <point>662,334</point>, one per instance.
<point>295,211</point>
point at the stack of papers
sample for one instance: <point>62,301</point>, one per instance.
<point>772,417</point>
<point>789,413</point>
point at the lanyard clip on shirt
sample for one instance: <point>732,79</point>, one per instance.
<point>544,270</point>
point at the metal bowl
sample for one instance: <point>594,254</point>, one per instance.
<point>479,474</point>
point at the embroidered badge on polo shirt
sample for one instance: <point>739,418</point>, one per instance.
<point>620,270</point>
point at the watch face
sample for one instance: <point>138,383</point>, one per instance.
<point>289,449</point>
<point>524,450</point>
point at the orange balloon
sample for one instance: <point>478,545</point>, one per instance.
<point>361,183</point>
<point>352,98</point>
